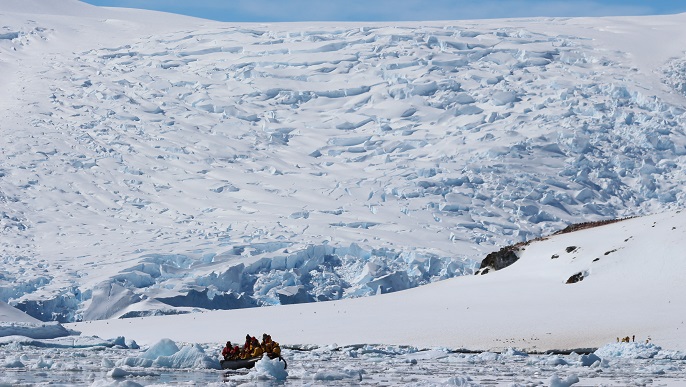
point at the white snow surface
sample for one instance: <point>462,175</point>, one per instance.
<point>155,164</point>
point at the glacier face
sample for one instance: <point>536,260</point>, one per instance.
<point>225,166</point>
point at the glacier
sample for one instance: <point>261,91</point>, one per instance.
<point>159,168</point>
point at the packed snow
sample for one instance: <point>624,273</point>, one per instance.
<point>169,183</point>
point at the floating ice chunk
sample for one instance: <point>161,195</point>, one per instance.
<point>671,355</point>
<point>554,361</point>
<point>270,369</point>
<point>190,356</point>
<point>589,360</point>
<point>555,381</point>
<point>42,364</point>
<point>514,352</point>
<point>430,355</point>
<point>346,373</point>
<point>115,383</point>
<point>117,373</point>
<point>488,356</point>
<point>13,363</point>
<point>164,347</point>
<point>120,341</point>
<point>166,354</point>
<point>629,350</point>
<point>463,381</point>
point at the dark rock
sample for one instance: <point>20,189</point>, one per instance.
<point>578,277</point>
<point>498,260</point>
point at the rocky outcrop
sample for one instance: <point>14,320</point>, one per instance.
<point>499,259</point>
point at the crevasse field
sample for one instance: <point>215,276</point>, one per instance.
<point>170,183</point>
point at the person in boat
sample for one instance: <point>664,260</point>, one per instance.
<point>256,348</point>
<point>273,347</point>
<point>227,351</point>
<point>276,349</point>
<point>257,351</point>
<point>267,343</point>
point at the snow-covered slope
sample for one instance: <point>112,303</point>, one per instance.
<point>632,286</point>
<point>155,164</point>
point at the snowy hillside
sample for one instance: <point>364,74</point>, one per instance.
<point>632,285</point>
<point>155,164</point>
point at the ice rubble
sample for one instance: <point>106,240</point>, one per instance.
<point>265,370</point>
<point>163,354</point>
<point>636,350</point>
<point>231,166</point>
<point>166,354</point>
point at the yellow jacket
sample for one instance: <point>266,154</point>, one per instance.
<point>276,350</point>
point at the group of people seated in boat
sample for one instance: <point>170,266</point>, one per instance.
<point>252,348</point>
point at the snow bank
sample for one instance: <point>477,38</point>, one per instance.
<point>166,354</point>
